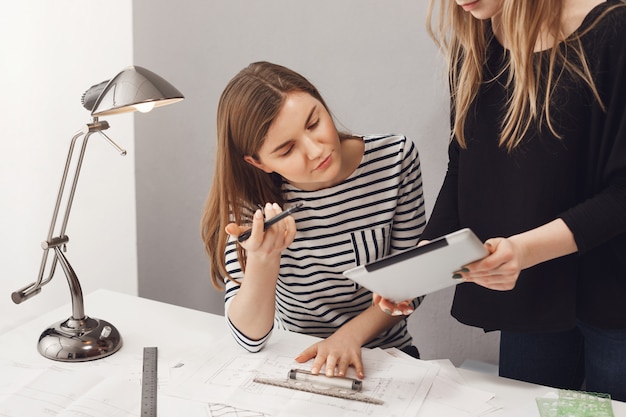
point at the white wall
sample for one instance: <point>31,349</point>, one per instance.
<point>52,51</point>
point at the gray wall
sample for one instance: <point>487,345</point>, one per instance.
<point>371,60</point>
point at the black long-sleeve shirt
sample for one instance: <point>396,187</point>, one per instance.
<point>580,178</point>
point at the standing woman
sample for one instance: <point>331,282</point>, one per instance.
<point>277,145</point>
<point>537,168</point>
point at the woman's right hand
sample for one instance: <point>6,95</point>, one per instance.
<point>274,239</point>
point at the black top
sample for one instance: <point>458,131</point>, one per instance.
<point>580,178</point>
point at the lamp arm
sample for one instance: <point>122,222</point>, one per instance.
<point>34,288</point>
<point>66,169</point>
<point>87,131</point>
<point>78,306</point>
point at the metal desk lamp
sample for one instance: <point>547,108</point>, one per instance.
<point>83,338</point>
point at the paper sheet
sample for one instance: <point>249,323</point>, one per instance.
<point>57,391</point>
<point>228,376</point>
<point>449,395</point>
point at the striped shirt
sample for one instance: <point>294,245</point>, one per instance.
<point>377,210</point>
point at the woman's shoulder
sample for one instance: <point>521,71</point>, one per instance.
<point>390,146</point>
<point>603,33</point>
<point>378,141</point>
<point>609,15</point>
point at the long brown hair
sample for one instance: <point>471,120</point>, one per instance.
<point>248,106</point>
<point>463,40</point>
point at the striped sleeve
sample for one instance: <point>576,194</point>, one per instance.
<point>410,217</point>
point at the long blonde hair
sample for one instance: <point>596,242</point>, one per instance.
<point>463,39</point>
<point>247,107</point>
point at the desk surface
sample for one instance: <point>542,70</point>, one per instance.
<point>144,322</point>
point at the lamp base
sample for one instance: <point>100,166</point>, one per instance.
<point>79,340</point>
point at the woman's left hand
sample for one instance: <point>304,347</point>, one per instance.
<point>337,352</point>
<point>497,271</point>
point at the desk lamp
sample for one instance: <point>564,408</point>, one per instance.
<point>83,338</point>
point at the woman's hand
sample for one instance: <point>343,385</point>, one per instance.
<point>497,271</point>
<point>337,353</point>
<point>393,309</point>
<point>273,240</point>
<point>343,348</point>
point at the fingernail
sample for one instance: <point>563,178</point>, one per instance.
<point>457,276</point>
<point>397,313</point>
<point>388,311</point>
<point>464,270</point>
<point>409,311</point>
<point>258,214</point>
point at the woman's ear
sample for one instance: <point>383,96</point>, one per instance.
<point>252,161</point>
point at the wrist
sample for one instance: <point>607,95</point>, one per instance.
<point>550,241</point>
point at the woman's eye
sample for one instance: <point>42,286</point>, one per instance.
<point>287,151</point>
<point>314,124</point>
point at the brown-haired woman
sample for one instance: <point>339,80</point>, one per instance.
<point>278,146</point>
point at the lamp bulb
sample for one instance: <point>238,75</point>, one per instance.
<point>144,107</point>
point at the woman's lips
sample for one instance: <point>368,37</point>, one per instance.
<point>469,6</point>
<point>324,163</point>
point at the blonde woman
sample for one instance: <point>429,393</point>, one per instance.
<point>537,168</point>
<point>277,145</point>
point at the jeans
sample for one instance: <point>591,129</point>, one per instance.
<point>585,357</point>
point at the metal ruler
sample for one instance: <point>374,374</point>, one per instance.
<point>149,382</point>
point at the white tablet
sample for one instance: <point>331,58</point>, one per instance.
<point>421,270</point>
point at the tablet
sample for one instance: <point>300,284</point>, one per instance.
<point>421,270</point>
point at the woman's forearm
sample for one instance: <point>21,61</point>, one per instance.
<point>369,324</point>
<point>252,310</point>
<point>550,241</point>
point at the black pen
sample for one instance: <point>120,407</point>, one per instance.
<point>245,235</point>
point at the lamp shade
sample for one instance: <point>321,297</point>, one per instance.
<point>135,88</point>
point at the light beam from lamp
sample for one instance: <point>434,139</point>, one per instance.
<point>80,337</point>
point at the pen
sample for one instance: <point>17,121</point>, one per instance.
<point>245,235</point>
<point>336,381</point>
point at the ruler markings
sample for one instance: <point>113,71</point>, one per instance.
<point>149,382</point>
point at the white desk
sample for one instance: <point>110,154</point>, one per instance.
<point>144,322</point>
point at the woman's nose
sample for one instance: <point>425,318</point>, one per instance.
<point>313,147</point>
